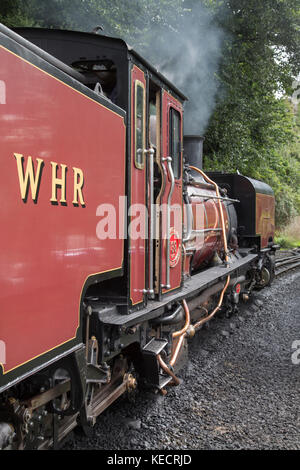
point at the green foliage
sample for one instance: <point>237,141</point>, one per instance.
<point>253,128</point>
<point>13,13</point>
<point>286,242</point>
<point>130,19</point>
<point>289,236</point>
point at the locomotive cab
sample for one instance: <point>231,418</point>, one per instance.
<point>154,108</point>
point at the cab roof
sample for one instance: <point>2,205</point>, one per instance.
<point>31,33</point>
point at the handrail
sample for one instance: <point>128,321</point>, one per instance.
<point>170,170</point>
<point>150,152</point>
<point>206,196</point>
<point>189,221</point>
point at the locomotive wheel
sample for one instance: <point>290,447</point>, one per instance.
<point>267,273</point>
<point>265,277</point>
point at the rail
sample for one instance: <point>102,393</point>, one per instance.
<point>286,263</point>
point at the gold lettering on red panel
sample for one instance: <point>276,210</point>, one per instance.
<point>58,182</point>
<point>31,175</point>
<point>30,178</point>
<point>78,185</point>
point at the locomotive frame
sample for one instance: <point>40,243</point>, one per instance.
<point>93,101</point>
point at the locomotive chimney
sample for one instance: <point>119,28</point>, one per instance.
<point>193,150</point>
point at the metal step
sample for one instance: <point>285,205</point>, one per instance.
<point>155,346</point>
<point>163,381</point>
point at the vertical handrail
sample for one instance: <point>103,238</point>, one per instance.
<point>150,152</point>
<point>172,177</point>
<point>189,222</point>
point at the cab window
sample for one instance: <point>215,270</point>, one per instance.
<point>139,124</point>
<point>175,142</point>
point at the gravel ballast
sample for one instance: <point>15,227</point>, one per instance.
<point>241,389</point>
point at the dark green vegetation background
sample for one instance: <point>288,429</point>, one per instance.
<point>254,127</point>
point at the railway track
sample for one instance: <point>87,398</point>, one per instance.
<point>285,261</point>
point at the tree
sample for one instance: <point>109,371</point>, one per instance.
<point>235,59</point>
<point>12,13</point>
<point>252,125</point>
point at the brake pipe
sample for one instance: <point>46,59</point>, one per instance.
<point>204,320</point>
<point>177,350</point>
<point>182,333</point>
<point>167,370</point>
<point>187,321</point>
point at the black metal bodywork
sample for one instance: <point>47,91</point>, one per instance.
<point>193,150</point>
<point>245,190</point>
<point>71,46</point>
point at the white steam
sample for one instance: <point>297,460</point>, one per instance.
<point>180,38</point>
<point>189,58</point>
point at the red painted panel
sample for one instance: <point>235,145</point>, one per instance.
<point>265,218</point>
<point>48,251</point>
<point>206,216</point>
<point>138,197</point>
<point>169,102</point>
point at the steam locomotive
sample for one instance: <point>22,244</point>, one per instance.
<point>116,246</point>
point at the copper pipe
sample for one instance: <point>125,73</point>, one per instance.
<point>204,296</point>
<point>187,321</point>
<point>166,369</point>
<point>180,334</point>
<point>214,289</point>
<point>204,320</point>
<point>220,207</point>
<point>177,349</point>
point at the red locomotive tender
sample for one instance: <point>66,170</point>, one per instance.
<point>116,246</point>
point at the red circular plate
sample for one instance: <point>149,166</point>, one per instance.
<point>174,248</point>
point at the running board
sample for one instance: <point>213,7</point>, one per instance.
<point>193,287</point>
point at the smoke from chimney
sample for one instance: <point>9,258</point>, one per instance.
<point>183,42</point>
<point>189,58</point>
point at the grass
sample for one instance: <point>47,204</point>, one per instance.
<point>290,237</point>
